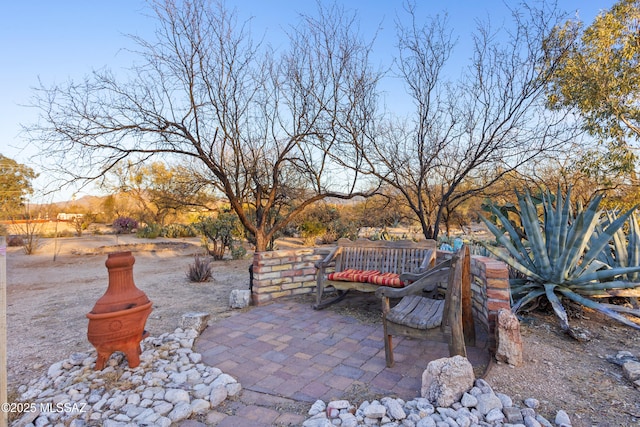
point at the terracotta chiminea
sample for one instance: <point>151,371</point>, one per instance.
<point>117,320</point>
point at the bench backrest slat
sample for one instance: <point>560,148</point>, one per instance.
<point>387,257</point>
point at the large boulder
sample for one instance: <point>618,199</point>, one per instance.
<point>446,380</point>
<point>509,338</point>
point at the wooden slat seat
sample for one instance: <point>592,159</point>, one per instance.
<point>419,314</point>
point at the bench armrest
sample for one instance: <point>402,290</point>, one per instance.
<point>425,282</point>
<point>328,260</point>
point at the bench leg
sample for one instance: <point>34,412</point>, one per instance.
<point>388,345</point>
<point>324,304</point>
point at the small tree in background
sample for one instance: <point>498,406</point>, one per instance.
<point>218,233</point>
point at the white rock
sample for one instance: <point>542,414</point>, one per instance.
<point>319,420</point>
<point>178,377</point>
<point>162,407</point>
<point>195,357</point>
<point>394,409</point>
<point>217,396</point>
<point>507,402</point>
<point>631,370</point>
<point>198,406</point>
<point>176,395</point>
<point>180,412</point>
<point>562,419</point>
<point>200,391</point>
<point>317,407</point>
<point>222,380</point>
<point>133,399</point>
<point>530,421</point>
<point>426,422</point>
<point>233,389</point>
<point>494,415</point>
<point>375,410</point>
<point>117,402</point>
<point>469,401</point>
<point>488,402</point>
<point>338,404</point>
<point>348,420</point>
<point>55,370</point>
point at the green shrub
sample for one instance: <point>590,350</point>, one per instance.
<point>150,231</point>
<point>218,233</point>
<point>238,251</point>
<point>174,231</point>
<point>310,230</point>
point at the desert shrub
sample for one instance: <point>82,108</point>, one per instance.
<point>15,240</point>
<point>200,271</point>
<point>218,233</point>
<point>59,233</point>
<point>149,231</point>
<point>310,230</point>
<point>238,251</point>
<point>174,231</point>
<point>124,225</point>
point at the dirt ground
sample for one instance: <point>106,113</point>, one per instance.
<point>49,293</point>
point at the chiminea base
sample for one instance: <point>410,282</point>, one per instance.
<point>118,331</point>
<point>131,349</point>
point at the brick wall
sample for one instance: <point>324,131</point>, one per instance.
<point>284,273</point>
<point>292,272</point>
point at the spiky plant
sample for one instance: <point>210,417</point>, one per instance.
<point>624,251</point>
<point>559,255</point>
<point>200,271</point>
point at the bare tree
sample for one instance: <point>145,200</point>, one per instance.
<point>258,124</point>
<point>465,134</point>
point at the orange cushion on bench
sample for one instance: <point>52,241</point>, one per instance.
<point>386,279</point>
<point>352,275</point>
<point>367,276</point>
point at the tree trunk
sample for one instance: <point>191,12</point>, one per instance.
<point>261,241</point>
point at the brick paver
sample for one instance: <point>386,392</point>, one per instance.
<point>287,349</point>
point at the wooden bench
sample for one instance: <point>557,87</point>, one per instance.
<point>397,262</point>
<point>421,314</point>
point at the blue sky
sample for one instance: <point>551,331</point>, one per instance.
<point>58,40</point>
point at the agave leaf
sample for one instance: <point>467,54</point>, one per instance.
<point>606,255</point>
<point>621,309</point>
<point>603,240</point>
<point>512,262</point>
<point>633,246</point>
<point>596,265</point>
<point>531,296</point>
<point>619,245</point>
<point>519,252</point>
<point>552,221</point>
<point>581,231</point>
<point>557,306</point>
<point>531,224</point>
<point>597,306</point>
<point>614,284</point>
<point>564,218</point>
<point>603,275</point>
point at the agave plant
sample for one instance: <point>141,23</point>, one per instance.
<point>559,256</point>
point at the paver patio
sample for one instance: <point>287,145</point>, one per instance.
<point>287,349</point>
